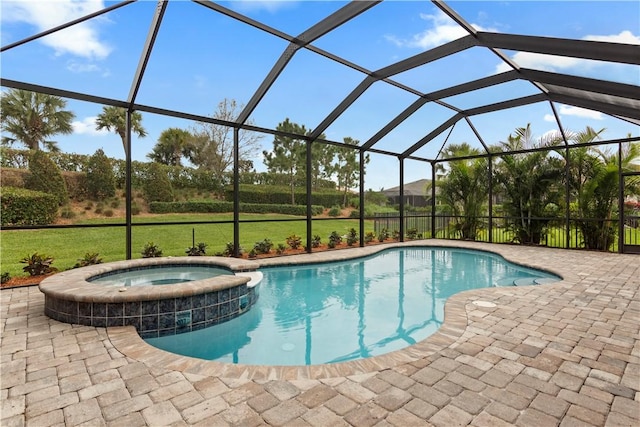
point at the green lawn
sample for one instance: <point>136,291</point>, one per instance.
<point>67,245</point>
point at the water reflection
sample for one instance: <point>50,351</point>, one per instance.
<point>335,312</point>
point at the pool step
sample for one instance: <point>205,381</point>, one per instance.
<point>524,282</point>
<point>545,280</point>
<point>519,281</point>
<point>508,281</point>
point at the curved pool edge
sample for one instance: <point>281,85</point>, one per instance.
<point>456,317</point>
<point>358,252</point>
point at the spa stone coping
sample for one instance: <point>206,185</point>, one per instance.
<point>72,284</point>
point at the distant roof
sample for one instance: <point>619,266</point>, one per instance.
<point>415,188</point>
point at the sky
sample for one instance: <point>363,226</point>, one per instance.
<point>201,57</point>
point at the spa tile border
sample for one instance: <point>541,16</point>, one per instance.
<point>153,311</point>
<point>156,318</point>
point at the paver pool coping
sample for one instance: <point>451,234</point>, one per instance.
<point>128,342</point>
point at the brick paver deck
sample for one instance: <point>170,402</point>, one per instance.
<point>564,354</point>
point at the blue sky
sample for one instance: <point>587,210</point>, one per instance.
<point>201,57</point>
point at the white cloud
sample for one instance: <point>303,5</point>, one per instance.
<point>567,110</point>
<point>442,30</point>
<point>626,37</point>
<point>88,127</point>
<point>538,61</point>
<point>87,67</point>
<point>78,67</point>
<point>80,39</point>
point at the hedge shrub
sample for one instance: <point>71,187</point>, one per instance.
<point>180,177</point>
<point>11,177</point>
<point>45,176</point>
<point>27,207</point>
<point>76,183</point>
<point>282,195</point>
<point>224,207</point>
<point>101,183</point>
<point>15,158</point>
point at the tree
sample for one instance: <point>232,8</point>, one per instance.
<point>101,182</point>
<point>157,185</point>
<point>464,188</point>
<point>289,154</point>
<point>212,144</point>
<point>172,146</point>
<point>45,176</point>
<point>530,183</point>
<point>347,166</point>
<point>322,156</point>
<point>32,118</point>
<point>115,119</point>
<point>594,186</point>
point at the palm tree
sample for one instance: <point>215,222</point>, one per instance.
<point>33,117</point>
<point>464,188</point>
<point>530,183</point>
<point>593,182</point>
<point>172,146</point>
<point>115,119</point>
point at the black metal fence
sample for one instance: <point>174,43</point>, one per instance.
<point>500,229</point>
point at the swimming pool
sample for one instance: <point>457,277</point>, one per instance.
<point>341,311</point>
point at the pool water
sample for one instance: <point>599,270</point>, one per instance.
<point>158,275</point>
<point>336,312</point>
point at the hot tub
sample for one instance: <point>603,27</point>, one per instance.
<point>89,296</point>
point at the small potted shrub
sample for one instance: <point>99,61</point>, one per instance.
<point>228,250</point>
<point>280,249</point>
<point>352,237</point>
<point>412,233</point>
<point>369,237</point>
<point>263,247</point>
<point>151,250</point>
<point>89,259</point>
<point>334,239</point>
<point>197,250</point>
<point>294,241</point>
<point>38,264</point>
<point>383,235</point>
<point>5,277</point>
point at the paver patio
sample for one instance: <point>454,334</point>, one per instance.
<point>563,354</point>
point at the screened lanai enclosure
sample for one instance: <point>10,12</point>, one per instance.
<point>492,115</point>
